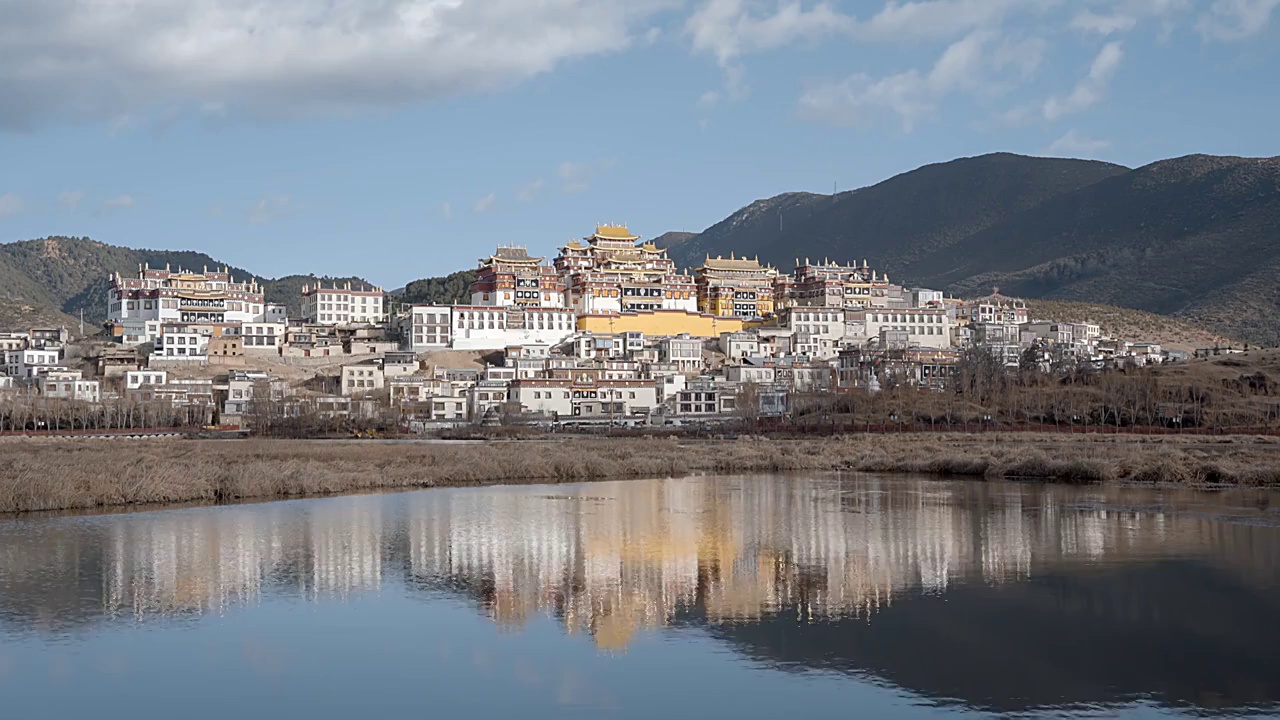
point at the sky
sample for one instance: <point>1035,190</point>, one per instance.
<point>398,139</point>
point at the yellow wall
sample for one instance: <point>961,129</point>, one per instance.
<point>660,322</point>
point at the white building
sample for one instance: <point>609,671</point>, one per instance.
<point>262,337</point>
<point>750,373</point>
<point>485,327</point>
<point>592,398</point>
<point>31,363</point>
<point>68,385</point>
<point>12,341</point>
<point>184,296</point>
<point>683,351</point>
<point>178,344</point>
<point>276,313</point>
<point>816,332</point>
<point>343,305</point>
<point>134,379</point>
<point>362,379</point>
<point>925,327</point>
<point>449,408</point>
<point>425,327</point>
<point>740,344</point>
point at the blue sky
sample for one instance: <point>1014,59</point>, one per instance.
<point>397,139</point>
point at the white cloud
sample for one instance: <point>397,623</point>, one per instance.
<point>1229,20</point>
<point>978,64</point>
<point>1091,89</point>
<point>1076,145</point>
<point>940,19</point>
<point>10,205</point>
<point>577,177</point>
<point>447,210</point>
<point>119,202</point>
<point>530,192</point>
<point>104,59</point>
<point>270,208</point>
<point>486,203</point>
<point>70,199</point>
<point>729,29</point>
<point>1117,17</point>
<point>1089,21</point>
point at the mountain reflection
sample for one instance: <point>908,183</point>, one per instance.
<point>1008,597</point>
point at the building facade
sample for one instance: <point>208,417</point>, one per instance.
<point>834,285</point>
<point>343,305</point>
<point>511,277</point>
<point>184,296</point>
<point>735,287</point>
<point>610,271</point>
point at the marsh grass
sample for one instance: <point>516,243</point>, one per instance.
<point>59,475</point>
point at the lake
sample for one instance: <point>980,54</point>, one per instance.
<point>726,597</point>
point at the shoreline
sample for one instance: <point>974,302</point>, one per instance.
<point>40,475</point>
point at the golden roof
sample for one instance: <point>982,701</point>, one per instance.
<point>737,264</point>
<point>615,232</point>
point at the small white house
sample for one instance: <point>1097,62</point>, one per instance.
<point>134,379</point>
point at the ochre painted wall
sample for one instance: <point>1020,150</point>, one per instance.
<point>660,322</point>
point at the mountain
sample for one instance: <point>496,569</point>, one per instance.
<point>1197,236</point>
<point>452,289</point>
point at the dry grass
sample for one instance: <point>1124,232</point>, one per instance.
<point>57,475</point>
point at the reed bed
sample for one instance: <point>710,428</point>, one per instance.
<point>38,475</point>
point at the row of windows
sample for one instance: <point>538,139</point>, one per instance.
<point>816,317</point>
<point>919,329</point>
<point>905,317</point>
<point>697,408</point>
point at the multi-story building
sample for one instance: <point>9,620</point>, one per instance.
<point>343,305</point>
<point>362,379</point>
<point>682,351</point>
<point>705,398</point>
<point>612,272</point>
<point>835,285</point>
<point>68,385</point>
<point>13,341</point>
<point>184,296</point>
<point>928,327</point>
<point>262,337</point>
<point>490,327</point>
<point>584,394</point>
<point>179,342</point>
<point>134,379</point>
<point>424,327</point>
<point>735,287</point>
<point>740,344</point>
<point>31,363</point>
<point>1004,340</point>
<point>994,308</point>
<point>512,277</point>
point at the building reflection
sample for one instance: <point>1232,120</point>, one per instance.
<point>610,560</point>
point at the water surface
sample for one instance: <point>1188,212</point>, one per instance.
<point>732,597</point>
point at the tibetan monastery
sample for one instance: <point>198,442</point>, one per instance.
<point>610,271</point>
<point>184,296</point>
<point>735,287</point>
<point>512,277</point>
<point>829,284</point>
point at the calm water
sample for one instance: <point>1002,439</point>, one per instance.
<point>735,597</point>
